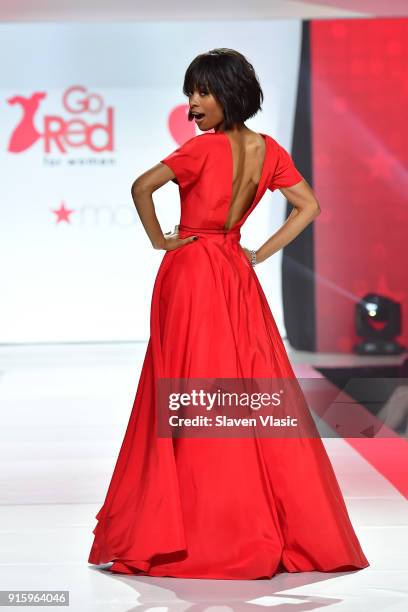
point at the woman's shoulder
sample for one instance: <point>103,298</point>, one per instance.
<point>199,141</point>
<point>187,161</point>
<point>276,146</point>
<point>272,141</point>
<point>202,143</point>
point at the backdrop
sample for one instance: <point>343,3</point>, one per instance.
<point>85,109</point>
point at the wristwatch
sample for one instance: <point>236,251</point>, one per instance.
<point>253,258</point>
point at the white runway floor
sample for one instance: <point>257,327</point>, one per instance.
<point>64,410</point>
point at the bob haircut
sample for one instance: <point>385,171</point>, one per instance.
<point>231,79</point>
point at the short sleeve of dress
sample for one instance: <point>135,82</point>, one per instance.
<point>187,161</point>
<point>285,172</point>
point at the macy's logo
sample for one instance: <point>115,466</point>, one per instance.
<point>65,133</point>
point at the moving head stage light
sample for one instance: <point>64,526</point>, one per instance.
<point>378,321</point>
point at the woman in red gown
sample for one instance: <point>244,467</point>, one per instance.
<point>233,507</point>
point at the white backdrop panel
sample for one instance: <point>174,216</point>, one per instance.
<point>91,277</point>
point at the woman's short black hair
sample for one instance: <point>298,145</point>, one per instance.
<point>231,79</point>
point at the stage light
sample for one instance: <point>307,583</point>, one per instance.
<point>378,321</point>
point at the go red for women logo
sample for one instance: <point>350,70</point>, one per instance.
<point>60,133</point>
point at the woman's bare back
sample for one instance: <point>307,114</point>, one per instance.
<point>248,151</point>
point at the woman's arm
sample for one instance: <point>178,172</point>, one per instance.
<point>306,209</point>
<point>142,190</point>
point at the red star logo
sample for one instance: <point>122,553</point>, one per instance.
<point>63,213</point>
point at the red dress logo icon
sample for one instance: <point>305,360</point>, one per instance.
<point>25,134</point>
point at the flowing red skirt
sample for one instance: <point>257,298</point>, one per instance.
<point>227,508</point>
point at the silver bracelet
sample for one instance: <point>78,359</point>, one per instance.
<point>253,258</point>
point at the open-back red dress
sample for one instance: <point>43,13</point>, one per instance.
<point>233,508</point>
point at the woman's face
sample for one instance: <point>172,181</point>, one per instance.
<point>209,110</point>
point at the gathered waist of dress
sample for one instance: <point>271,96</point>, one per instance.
<point>236,232</point>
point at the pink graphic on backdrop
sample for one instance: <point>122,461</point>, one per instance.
<point>62,132</point>
<point>25,134</point>
<point>63,214</point>
<point>180,128</point>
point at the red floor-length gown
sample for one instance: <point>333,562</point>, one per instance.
<point>234,508</point>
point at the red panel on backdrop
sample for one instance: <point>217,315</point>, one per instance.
<point>360,176</point>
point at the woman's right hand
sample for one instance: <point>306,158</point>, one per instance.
<point>172,241</point>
